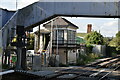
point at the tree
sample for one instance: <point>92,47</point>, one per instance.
<point>118,34</point>
<point>116,41</point>
<point>107,40</point>
<point>30,42</point>
<point>94,38</point>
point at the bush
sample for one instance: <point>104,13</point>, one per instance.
<point>94,38</point>
<point>87,58</point>
<point>89,48</point>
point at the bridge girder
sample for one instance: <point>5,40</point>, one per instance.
<point>40,12</point>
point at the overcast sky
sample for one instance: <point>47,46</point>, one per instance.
<point>12,4</point>
<point>107,26</point>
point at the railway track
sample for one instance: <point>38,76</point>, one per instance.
<point>103,66</point>
<point>97,62</point>
<point>100,70</point>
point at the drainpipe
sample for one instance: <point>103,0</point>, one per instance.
<point>67,49</point>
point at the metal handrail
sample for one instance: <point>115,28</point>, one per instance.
<point>66,41</point>
<point>48,48</point>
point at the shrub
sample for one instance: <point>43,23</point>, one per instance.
<point>89,48</point>
<point>89,57</point>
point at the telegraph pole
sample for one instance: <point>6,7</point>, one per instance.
<point>51,38</point>
<point>16,4</point>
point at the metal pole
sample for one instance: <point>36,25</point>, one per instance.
<point>19,52</point>
<point>57,39</point>
<point>38,37</point>
<point>20,44</point>
<point>57,55</point>
<point>16,4</point>
<point>67,49</point>
<point>51,38</point>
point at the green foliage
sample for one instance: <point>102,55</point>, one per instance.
<point>81,34</point>
<point>107,40</point>
<point>94,38</point>
<point>118,34</point>
<point>89,48</point>
<point>116,41</point>
<point>30,46</point>
<point>87,58</point>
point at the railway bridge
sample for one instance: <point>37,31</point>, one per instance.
<point>39,12</point>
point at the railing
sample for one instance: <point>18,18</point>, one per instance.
<point>64,42</point>
<point>48,48</point>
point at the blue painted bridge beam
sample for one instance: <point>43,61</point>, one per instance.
<point>40,12</point>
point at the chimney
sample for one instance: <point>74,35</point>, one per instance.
<point>89,28</point>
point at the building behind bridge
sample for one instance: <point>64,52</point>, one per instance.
<point>64,43</point>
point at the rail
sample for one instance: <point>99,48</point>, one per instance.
<point>6,72</point>
<point>66,42</point>
<point>86,73</point>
